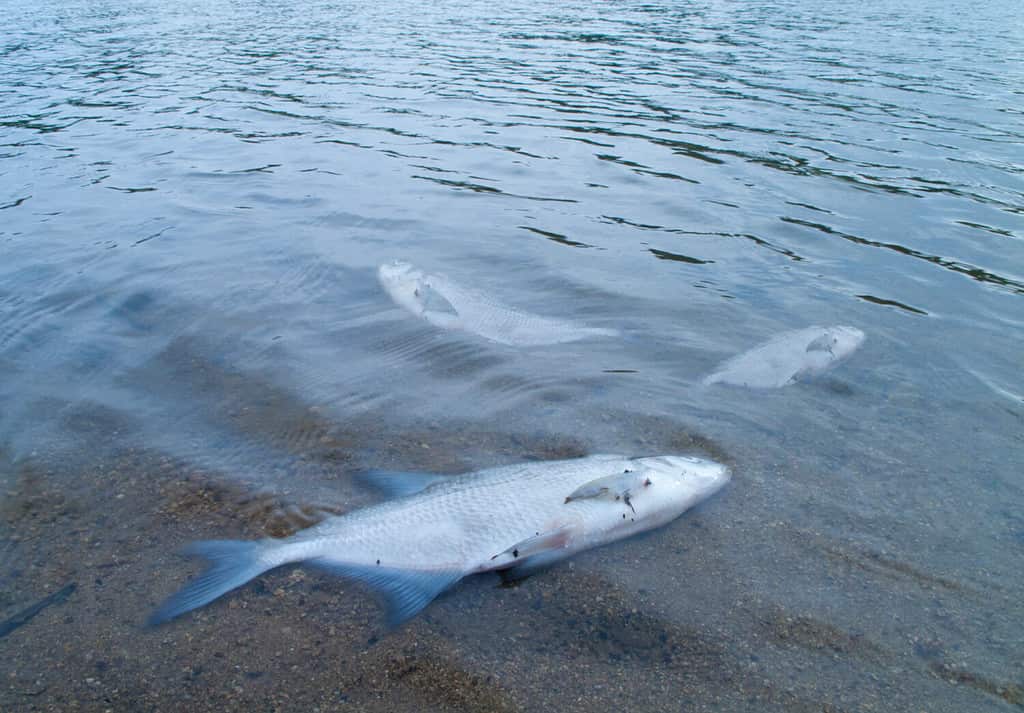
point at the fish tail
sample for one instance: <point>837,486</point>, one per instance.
<point>232,564</point>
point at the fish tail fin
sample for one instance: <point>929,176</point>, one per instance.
<point>232,564</point>
<point>710,379</point>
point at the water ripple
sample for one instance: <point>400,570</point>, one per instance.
<point>721,171</point>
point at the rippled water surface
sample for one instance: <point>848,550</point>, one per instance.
<point>194,201</point>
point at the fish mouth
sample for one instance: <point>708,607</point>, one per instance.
<point>850,335</point>
<point>395,270</point>
<point>706,475</point>
<point>710,476</point>
<point>403,283</point>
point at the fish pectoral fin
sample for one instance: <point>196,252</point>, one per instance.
<point>437,309</point>
<point>434,301</point>
<point>612,487</point>
<point>540,543</point>
<point>824,343</point>
<point>587,492</point>
<point>399,483</point>
<point>406,592</point>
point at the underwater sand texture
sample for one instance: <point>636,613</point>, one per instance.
<point>684,618</point>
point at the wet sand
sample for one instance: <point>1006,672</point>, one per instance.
<point>684,618</point>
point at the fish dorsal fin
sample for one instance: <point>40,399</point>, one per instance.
<point>406,592</point>
<point>540,543</point>
<point>611,487</point>
<point>399,483</point>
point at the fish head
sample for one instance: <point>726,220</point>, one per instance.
<point>674,484</point>
<point>827,346</point>
<point>842,341</point>
<point>405,283</point>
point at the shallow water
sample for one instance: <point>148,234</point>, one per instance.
<point>194,199</point>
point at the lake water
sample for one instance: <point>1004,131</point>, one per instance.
<point>194,200</point>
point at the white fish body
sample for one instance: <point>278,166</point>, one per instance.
<point>448,305</point>
<point>414,547</point>
<point>788,357</point>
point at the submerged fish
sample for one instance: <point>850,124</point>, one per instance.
<point>789,357</point>
<point>445,304</point>
<point>440,529</point>
<point>990,383</point>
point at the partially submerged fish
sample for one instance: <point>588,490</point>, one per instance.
<point>789,357</point>
<point>445,304</point>
<point>440,529</point>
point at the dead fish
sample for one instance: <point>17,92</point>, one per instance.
<point>448,305</point>
<point>789,357</point>
<point>440,529</point>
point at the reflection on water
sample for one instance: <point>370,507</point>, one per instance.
<point>194,201</point>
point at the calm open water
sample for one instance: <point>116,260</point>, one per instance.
<point>194,198</point>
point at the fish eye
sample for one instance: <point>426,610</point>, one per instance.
<point>647,481</point>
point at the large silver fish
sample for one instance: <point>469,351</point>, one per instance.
<point>442,528</point>
<point>789,357</point>
<point>445,304</point>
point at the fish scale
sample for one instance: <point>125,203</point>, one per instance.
<point>507,504</point>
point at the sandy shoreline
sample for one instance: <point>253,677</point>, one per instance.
<point>665,621</point>
<point>294,639</point>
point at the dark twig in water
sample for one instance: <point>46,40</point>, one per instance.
<point>26,615</point>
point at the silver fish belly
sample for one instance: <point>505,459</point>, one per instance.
<point>518,517</point>
<point>448,305</point>
<point>789,357</point>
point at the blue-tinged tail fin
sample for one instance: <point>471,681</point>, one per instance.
<point>232,564</point>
